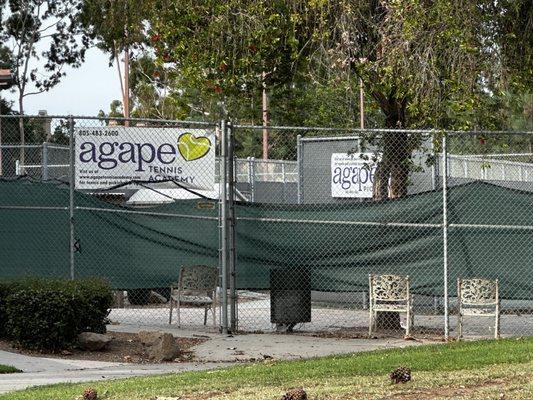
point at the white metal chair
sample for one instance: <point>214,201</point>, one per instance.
<point>390,293</point>
<point>478,297</point>
<point>196,286</point>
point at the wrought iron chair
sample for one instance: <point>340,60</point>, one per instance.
<point>478,297</point>
<point>390,293</point>
<point>196,286</point>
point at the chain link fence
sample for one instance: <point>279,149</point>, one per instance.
<point>331,228</point>
<point>104,197</point>
<point>434,213</point>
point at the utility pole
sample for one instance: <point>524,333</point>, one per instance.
<point>119,75</point>
<point>265,118</point>
<point>126,70</point>
<point>361,98</point>
<point>127,85</point>
<point>361,105</point>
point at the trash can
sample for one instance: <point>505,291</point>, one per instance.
<point>290,297</point>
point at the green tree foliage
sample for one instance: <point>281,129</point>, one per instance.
<point>116,24</point>
<point>435,64</point>
<point>156,91</point>
<point>6,56</point>
<point>115,111</point>
<point>9,126</point>
<point>52,24</point>
<point>229,49</point>
<point>426,64</point>
<point>28,25</point>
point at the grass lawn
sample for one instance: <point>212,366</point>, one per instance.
<point>6,369</point>
<point>468,370</point>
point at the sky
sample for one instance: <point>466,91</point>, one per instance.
<point>83,91</point>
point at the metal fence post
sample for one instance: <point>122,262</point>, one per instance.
<point>299,166</point>
<point>251,177</point>
<point>224,224</point>
<point>71,195</point>
<point>434,167</point>
<point>1,162</point>
<point>284,187</point>
<point>231,230</point>
<point>445,235</point>
<point>45,161</point>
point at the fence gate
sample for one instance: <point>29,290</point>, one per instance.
<point>130,201</point>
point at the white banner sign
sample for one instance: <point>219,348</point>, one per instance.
<point>352,175</point>
<point>108,156</point>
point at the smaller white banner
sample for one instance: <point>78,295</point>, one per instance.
<point>352,175</point>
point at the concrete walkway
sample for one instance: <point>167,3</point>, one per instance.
<point>82,371</point>
<point>251,347</point>
<point>286,347</point>
<point>219,351</point>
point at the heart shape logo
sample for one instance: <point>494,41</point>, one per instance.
<point>193,148</point>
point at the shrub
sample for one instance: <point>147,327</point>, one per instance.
<point>6,288</point>
<point>48,314</point>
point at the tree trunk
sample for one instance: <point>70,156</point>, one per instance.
<point>391,178</point>
<point>392,173</point>
<point>127,86</point>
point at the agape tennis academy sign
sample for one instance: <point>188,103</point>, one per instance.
<point>108,156</point>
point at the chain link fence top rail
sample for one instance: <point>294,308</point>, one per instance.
<point>298,237</point>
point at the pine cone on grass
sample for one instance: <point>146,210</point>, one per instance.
<point>401,375</point>
<point>295,394</point>
<point>90,394</point>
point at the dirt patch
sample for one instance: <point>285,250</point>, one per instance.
<point>420,333</point>
<point>124,347</point>
<point>463,391</point>
<point>203,396</point>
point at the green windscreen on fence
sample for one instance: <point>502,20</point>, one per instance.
<point>488,237</point>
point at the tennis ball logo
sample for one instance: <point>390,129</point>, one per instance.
<point>193,148</point>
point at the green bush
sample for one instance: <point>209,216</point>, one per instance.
<point>6,288</point>
<point>48,314</point>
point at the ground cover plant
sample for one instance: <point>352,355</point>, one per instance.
<point>7,369</point>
